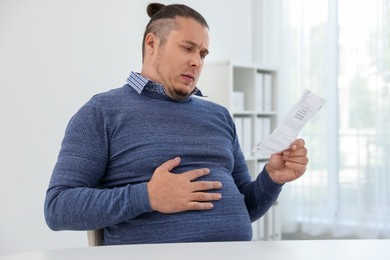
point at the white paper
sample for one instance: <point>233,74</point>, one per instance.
<point>286,133</point>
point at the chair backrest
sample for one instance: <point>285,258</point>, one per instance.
<point>95,237</point>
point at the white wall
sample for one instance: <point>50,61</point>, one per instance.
<point>54,55</point>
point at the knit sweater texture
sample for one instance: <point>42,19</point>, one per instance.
<point>110,150</point>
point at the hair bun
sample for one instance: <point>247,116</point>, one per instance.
<point>153,8</point>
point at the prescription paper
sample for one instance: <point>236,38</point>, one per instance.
<point>286,133</point>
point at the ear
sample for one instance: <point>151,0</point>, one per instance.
<point>151,43</point>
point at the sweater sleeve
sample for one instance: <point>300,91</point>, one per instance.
<point>260,195</point>
<point>74,200</point>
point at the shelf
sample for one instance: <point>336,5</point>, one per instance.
<point>258,113</point>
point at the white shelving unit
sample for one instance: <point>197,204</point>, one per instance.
<point>248,91</point>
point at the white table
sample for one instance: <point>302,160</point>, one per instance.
<point>274,250</point>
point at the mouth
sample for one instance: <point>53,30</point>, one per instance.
<point>188,76</point>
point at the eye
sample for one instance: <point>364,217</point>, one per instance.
<point>187,48</point>
<point>203,55</point>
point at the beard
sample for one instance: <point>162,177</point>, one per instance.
<point>173,92</point>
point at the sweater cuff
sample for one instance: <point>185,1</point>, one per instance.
<point>268,185</point>
<point>139,199</point>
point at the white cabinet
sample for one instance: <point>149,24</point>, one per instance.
<point>248,91</point>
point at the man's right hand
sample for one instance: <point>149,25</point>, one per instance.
<point>170,193</point>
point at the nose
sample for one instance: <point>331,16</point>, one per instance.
<point>196,60</point>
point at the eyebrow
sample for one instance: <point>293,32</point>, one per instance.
<point>194,44</point>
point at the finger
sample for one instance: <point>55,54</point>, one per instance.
<point>194,205</point>
<point>206,185</point>
<point>204,196</point>
<point>299,169</point>
<point>298,160</point>
<point>197,173</point>
<point>170,164</point>
<point>297,144</point>
<point>300,152</point>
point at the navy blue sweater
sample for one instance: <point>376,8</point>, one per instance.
<point>111,148</point>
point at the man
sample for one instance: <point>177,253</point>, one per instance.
<point>150,164</point>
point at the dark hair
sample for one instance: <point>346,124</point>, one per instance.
<point>162,20</point>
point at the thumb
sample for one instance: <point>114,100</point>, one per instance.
<point>170,164</point>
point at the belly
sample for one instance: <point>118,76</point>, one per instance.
<point>227,221</point>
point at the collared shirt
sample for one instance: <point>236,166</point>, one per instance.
<point>139,83</point>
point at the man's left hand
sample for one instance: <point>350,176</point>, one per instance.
<point>290,164</point>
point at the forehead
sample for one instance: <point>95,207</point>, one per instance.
<point>189,29</point>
